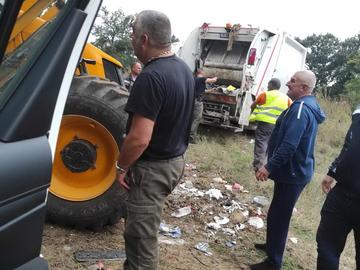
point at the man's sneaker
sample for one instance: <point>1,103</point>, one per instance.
<point>260,246</point>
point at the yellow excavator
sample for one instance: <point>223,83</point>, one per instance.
<point>83,191</point>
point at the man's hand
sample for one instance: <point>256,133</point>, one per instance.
<point>262,174</point>
<point>327,183</point>
<point>121,178</point>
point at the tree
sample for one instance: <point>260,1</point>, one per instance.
<point>352,86</point>
<point>320,59</point>
<point>344,67</point>
<point>113,35</point>
<point>329,59</point>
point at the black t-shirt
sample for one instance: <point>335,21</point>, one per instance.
<point>164,92</point>
<point>200,86</point>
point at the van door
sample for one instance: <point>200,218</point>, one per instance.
<point>33,75</point>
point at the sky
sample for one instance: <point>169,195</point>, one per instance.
<point>299,18</point>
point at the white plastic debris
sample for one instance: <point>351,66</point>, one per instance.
<point>221,221</point>
<point>261,200</point>
<point>171,241</point>
<point>256,222</point>
<point>245,213</point>
<point>213,225</point>
<point>228,187</point>
<point>189,184</point>
<point>228,231</point>
<point>203,247</point>
<point>232,206</point>
<point>294,240</point>
<point>252,141</point>
<point>214,193</point>
<point>182,212</point>
<point>219,180</point>
<point>67,248</point>
<point>239,227</point>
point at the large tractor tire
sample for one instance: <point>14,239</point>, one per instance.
<point>83,191</point>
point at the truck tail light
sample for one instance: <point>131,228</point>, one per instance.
<point>252,56</point>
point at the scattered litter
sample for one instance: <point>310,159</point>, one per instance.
<point>214,193</point>
<point>231,244</point>
<point>228,231</point>
<point>199,193</point>
<point>231,206</point>
<point>237,187</point>
<point>203,247</point>
<point>221,221</point>
<point>67,248</point>
<point>195,175</point>
<point>189,184</point>
<point>239,227</point>
<point>294,240</point>
<point>171,241</point>
<point>182,212</point>
<point>256,222</point>
<point>228,187</point>
<point>252,141</point>
<point>99,255</point>
<point>97,266</point>
<point>261,200</point>
<point>213,225</point>
<point>171,231</point>
<point>294,210</point>
<point>245,213</point>
<point>190,166</point>
<point>258,211</point>
<point>219,180</point>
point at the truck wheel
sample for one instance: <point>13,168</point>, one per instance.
<point>83,191</point>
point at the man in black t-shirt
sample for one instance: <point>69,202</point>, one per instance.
<point>160,109</point>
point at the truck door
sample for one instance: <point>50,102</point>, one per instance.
<point>34,80</point>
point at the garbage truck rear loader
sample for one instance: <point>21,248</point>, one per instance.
<point>244,58</point>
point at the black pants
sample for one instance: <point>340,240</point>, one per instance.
<point>278,220</point>
<point>340,214</point>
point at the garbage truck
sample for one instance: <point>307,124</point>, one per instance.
<point>85,145</point>
<point>244,59</point>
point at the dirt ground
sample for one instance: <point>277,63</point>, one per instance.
<point>60,243</point>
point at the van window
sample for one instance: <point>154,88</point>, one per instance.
<point>24,45</point>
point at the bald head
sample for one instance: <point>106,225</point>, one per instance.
<point>307,78</point>
<point>157,27</point>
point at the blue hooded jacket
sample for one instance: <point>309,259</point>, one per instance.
<point>291,145</point>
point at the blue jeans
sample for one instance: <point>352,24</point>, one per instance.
<point>340,214</point>
<point>278,220</point>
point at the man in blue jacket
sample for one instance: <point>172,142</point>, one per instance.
<point>290,163</point>
<point>341,212</point>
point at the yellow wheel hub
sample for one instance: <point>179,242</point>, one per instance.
<point>84,160</point>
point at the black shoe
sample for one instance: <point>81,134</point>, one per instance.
<point>265,265</point>
<point>261,247</point>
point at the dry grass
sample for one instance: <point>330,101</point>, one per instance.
<point>229,155</point>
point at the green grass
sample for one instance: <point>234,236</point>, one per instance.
<point>228,155</point>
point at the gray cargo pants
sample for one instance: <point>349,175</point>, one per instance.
<point>262,136</point>
<point>151,183</point>
<point>197,116</point>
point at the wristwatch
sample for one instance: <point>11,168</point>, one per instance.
<point>119,169</point>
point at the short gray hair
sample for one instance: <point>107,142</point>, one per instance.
<point>156,25</point>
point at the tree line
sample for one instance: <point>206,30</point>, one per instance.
<point>336,63</point>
